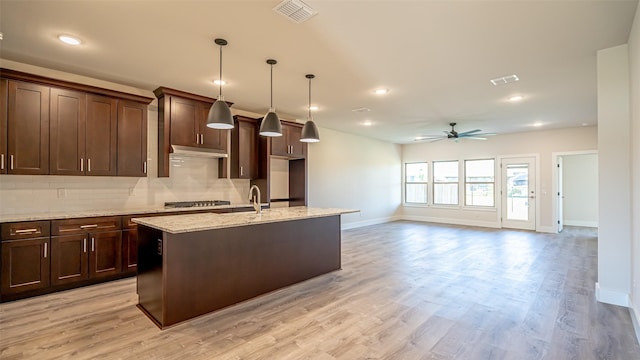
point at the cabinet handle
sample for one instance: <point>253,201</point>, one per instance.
<point>88,165</point>
<point>11,161</point>
<point>93,244</point>
<point>201,139</point>
<point>144,167</point>
<point>1,161</point>
<point>88,226</point>
<point>26,231</point>
<point>241,171</point>
<point>81,164</point>
<point>84,244</point>
<point>45,250</point>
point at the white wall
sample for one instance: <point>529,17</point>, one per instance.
<point>634,75</point>
<point>614,154</point>
<point>349,171</point>
<point>580,190</point>
<point>541,143</point>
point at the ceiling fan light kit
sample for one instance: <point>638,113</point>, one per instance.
<point>455,135</point>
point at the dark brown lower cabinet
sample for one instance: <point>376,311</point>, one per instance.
<point>25,265</point>
<point>129,251</point>
<point>85,256</point>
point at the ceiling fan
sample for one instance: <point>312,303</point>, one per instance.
<point>453,134</point>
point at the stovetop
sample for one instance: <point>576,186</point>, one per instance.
<point>200,203</point>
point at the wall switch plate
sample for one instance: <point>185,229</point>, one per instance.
<point>62,193</point>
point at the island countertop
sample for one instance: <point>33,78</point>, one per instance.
<point>176,224</point>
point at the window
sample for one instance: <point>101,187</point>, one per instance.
<point>445,182</point>
<point>479,182</point>
<point>415,187</point>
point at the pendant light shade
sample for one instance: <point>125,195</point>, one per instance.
<point>310,130</point>
<point>270,125</point>
<point>220,115</point>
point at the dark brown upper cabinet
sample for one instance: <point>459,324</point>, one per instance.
<point>50,126</point>
<point>182,120</point>
<point>132,139</point>
<point>27,128</point>
<point>243,157</point>
<point>289,145</point>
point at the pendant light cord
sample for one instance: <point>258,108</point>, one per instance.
<point>220,82</point>
<point>271,86</point>
<point>309,99</point>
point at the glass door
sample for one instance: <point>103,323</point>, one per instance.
<point>518,193</point>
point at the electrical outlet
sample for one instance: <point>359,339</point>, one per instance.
<point>62,193</point>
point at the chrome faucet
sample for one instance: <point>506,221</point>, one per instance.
<point>256,201</point>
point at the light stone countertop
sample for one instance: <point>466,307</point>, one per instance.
<point>176,224</point>
<point>58,215</point>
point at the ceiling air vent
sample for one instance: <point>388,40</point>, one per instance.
<point>295,10</point>
<point>504,80</point>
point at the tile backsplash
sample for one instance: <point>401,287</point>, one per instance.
<point>191,179</point>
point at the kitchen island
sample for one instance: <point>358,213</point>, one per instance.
<point>190,265</point>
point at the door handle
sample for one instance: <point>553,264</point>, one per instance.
<point>84,245</point>
<point>88,165</point>
<point>45,250</point>
<point>81,164</point>
<point>11,161</point>
<point>93,244</point>
<point>1,161</point>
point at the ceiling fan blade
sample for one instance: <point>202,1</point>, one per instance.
<point>469,132</point>
<point>485,134</point>
<point>447,133</point>
<point>434,140</point>
<point>475,138</point>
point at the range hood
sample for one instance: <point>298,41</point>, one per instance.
<point>197,152</point>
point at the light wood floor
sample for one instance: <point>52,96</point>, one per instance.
<point>407,291</point>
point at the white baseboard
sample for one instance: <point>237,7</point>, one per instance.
<point>634,320</point>
<point>547,229</point>
<point>593,224</point>
<point>612,297</point>
<point>368,222</point>
<point>489,224</point>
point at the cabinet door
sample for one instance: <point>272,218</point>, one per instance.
<point>297,147</point>
<point>129,250</point>
<point>67,132</point>
<point>105,254</point>
<point>280,144</point>
<point>3,126</point>
<point>132,139</point>
<point>184,122</point>
<point>28,128</point>
<point>101,126</point>
<point>247,166</point>
<point>25,265</point>
<point>69,259</point>
<point>210,138</point>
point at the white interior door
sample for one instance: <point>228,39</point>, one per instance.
<point>518,193</point>
<point>560,196</point>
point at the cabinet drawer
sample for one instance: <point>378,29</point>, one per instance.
<point>128,224</point>
<point>25,230</point>
<point>79,226</point>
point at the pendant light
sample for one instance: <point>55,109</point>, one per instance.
<point>270,125</point>
<point>310,130</point>
<point>220,115</point>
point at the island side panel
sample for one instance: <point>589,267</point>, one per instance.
<point>150,281</point>
<point>209,270</point>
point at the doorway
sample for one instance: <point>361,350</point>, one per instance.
<point>518,193</point>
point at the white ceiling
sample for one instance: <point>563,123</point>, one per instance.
<point>435,57</point>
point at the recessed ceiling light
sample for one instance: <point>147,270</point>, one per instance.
<point>381,91</point>
<point>585,124</point>
<point>361,109</point>
<point>516,98</point>
<point>313,108</point>
<point>367,123</point>
<point>504,80</point>
<point>219,82</point>
<point>537,124</point>
<point>70,40</point>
